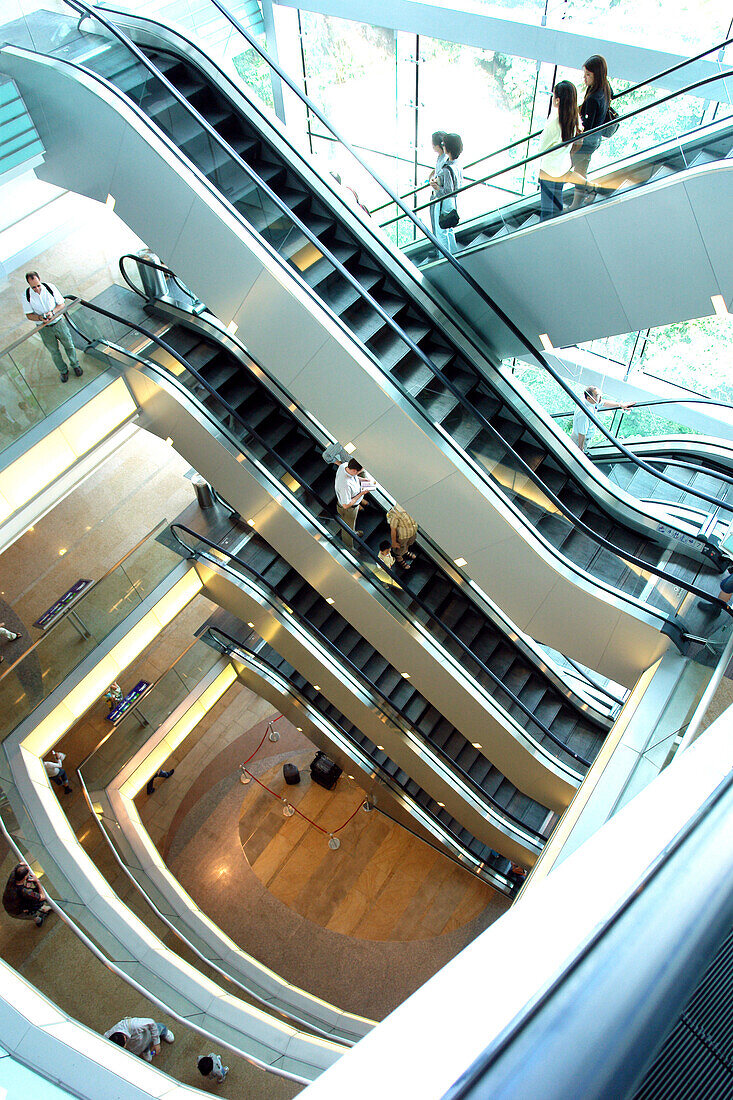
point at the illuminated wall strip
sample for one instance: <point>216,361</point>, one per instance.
<point>178,733</point>
<point>50,729</point>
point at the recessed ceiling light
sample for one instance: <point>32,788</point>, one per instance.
<point>381,748</point>
<point>329,599</point>
<point>299,729</point>
<point>252,625</point>
<point>476,744</point>
<point>719,305</point>
<point>442,805</point>
<point>317,687</point>
<point>251,522</point>
<point>460,562</point>
<point>406,675</point>
<point>350,448</point>
<point>546,342</point>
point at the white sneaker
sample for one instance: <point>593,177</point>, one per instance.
<point>148,1055</point>
<point>169,1036</point>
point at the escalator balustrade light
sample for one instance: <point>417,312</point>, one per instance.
<point>330,599</point>
<point>251,625</point>
<point>251,522</point>
<point>476,745</point>
<point>546,342</point>
<point>719,305</point>
<point>460,562</point>
<point>316,687</point>
<point>110,202</point>
<point>168,441</point>
<point>232,327</point>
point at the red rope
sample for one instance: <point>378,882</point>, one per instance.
<point>246,771</point>
<point>326,832</point>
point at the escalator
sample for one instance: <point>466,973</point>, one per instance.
<point>480,858</point>
<point>521,819</point>
<point>600,534</point>
<point>274,433</point>
<point>500,689</point>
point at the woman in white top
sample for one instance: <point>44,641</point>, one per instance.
<point>556,166</point>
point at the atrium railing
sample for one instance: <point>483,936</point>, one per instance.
<point>375,573</point>
<point>82,627</point>
<point>494,870</point>
<point>27,390</point>
<point>264,210</point>
<point>217,554</point>
<point>617,100</point>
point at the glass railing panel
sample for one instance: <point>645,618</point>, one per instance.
<point>30,382</point>
<point>155,707</point>
<point>91,619</point>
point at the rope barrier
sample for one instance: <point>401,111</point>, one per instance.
<point>331,833</point>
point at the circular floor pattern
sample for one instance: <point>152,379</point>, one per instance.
<point>381,884</point>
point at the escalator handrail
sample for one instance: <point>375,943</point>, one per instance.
<point>535,352</point>
<point>615,98</point>
<point>232,647</point>
<point>562,144</point>
<point>384,705</point>
<point>672,462</point>
<point>560,505</point>
<point>416,599</point>
<point>532,658</point>
<point>388,320</point>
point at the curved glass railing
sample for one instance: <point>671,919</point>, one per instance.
<point>399,592</point>
<point>198,546</point>
<point>635,95</point>
<point>299,245</point>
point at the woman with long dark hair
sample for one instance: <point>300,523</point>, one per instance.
<point>555,166</point>
<point>593,112</point>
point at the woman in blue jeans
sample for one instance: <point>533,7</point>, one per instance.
<point>555,166</point>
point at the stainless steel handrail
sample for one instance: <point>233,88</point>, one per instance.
<point>29,335</point>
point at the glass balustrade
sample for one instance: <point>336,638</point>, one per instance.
<point>80,629</point>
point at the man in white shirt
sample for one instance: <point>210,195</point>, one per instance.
<point>350,491</point>
<point>583,426</point>
<point>42,303</point>
<point>140,1035</point>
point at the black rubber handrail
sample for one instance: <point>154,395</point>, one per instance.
<point>288,399</point>
<point>388,709</point>
<point>673,462</point>
<point>616,97</point>
<point>233,647</point>
<point>560,145</point>
<point>81,6</point>
<point>365,548</point>
<point>465,275</point>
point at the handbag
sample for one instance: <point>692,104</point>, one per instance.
<point>611,116</point>
<point>449,219</point>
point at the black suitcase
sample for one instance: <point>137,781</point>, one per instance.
<point>291,775</point>
<point>324,771</point>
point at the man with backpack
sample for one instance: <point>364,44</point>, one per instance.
<point>42,303</point>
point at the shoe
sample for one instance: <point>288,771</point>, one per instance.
<point>14,637</point>
<point>169,1037</point>
<point>709,606</point>
<point>168,774</point>
<point>78,372</point>
<point>148,1055</point>
<point>68,790</point>
<point>224,1072</point>
<point>65,377</point>
<point>40,919</point>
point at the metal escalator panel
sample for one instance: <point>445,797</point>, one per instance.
<point>397,698</point>
<point>398,331</point>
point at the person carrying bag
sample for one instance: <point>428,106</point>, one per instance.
<point>445,184</point>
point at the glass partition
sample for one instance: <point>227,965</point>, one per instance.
<point>81,628</point>
<point>157,705</point>
<point>30,383</point>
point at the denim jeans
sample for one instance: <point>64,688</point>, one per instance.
<point>550,198</point>
<point>54,338</point>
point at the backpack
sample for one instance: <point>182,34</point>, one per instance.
<point>611,116</point>
<point>449,218</point>
<point>28,292</point>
